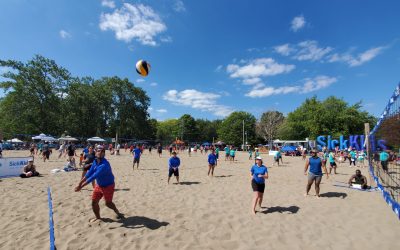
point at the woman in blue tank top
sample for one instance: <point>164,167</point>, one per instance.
<point>314,166</point>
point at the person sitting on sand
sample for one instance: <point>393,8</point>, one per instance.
<point>29,170</point>
<point>173,167</point>
<point>359,179</point>
<point>101,172</point>
<point>315,172</point>
<point>259,173</point>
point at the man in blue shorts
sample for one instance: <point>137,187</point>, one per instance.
<point>173,167</point>
<point>315,172</point>
<point>136,156</point>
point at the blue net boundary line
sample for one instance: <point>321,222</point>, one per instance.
<point>386,111</point>
<point>51,222</point>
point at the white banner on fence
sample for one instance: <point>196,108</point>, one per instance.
<point>272,152</point>
<point>12,166</point>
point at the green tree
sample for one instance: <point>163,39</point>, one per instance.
<point>168,131</point>
<point>188,131</point>
<point>34,94</point>
<point>207,130</point>
<point>333,116</point>
<point>231,129</point>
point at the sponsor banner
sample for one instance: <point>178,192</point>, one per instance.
<point>12,166</point>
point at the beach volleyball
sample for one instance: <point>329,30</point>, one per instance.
<point>142,68</point>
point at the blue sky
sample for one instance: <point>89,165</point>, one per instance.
<point>209,58</point>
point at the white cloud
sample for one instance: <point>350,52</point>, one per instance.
<point>64,34</point>
<point>162,110</point>
<point>153,84</point>
<point>319,82</point>
<point>150,109</point>
<point>131,21</point>
<point>298,23</point>
<point>284,49</point>
<point>309,85</point>
<point>198,100</point>
<point>309,50</point>
<point>251,81</point>
<point>219,68</point>
<point>108,3</point>
<point>358,60</point>
<point>261,67</point>
<point>179,6</point>
<point>140,80</point>
<point>166,39</point>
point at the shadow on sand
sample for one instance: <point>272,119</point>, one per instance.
<point>223,176</point>
<point>135,222</point>
<point>278,209</point>
<point>122,189</point>
<point>189,182</point>
<point>334,195</point>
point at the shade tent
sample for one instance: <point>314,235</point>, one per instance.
<point>67,138</point>
<point>96,139</point>
<point>220,143</point>
<point>44,137</point>
<point>206,144</point>
<point>15,140</point>
<point>288,148</point>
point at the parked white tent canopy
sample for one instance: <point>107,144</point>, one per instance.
<point>67,138</point>
<point>96,139</point>
<point>15,140</point>
<point>44,137</point>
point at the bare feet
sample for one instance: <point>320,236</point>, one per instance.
<point>92,220</point>
<point>306,194</point>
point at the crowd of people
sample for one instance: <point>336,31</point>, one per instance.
<point>97,171</point>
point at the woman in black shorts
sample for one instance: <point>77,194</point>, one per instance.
<point>259,173</point>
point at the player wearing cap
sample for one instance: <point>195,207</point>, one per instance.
<point>315,172</point>
<point>29,170</point>
<point>102,173</point>
<point>259,173</point>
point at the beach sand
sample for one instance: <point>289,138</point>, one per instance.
<point>201,213</point>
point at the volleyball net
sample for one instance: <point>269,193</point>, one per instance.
<point>387,139</point>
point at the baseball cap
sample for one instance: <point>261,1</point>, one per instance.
<point>258,158</point>
<point>99,147</point>
<point>30,160</point>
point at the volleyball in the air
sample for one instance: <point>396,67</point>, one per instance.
<point>142,67</point>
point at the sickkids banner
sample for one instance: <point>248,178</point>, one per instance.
<point>12,166</point>
<point>354,142</point>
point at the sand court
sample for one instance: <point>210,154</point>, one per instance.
<point>201,213</point>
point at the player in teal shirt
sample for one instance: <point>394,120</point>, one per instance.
<point>353,157</point>
<point>259,173</point>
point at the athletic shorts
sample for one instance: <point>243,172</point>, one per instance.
<point>174,172</point>
<point>257,187</point>
<point>226,155</point>
<point>107,192</point>
<point>333,164</point>
<point>384,165</point>
<point>159,151</point>
<point>136,160</point>
<point>316,177</point>
<point>46,154</point>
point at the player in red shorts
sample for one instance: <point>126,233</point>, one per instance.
<point>102,173</point>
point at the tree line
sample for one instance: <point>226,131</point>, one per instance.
<point>41,96</point>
